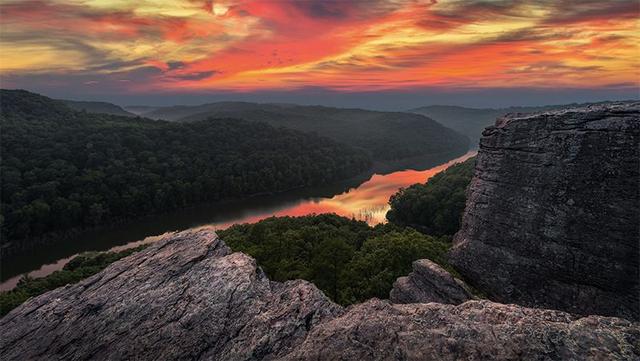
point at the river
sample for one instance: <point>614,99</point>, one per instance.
<point>363,198</point>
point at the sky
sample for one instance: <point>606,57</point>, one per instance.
<point>373,53</point>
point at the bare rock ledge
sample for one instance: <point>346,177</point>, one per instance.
<point>188,297</point>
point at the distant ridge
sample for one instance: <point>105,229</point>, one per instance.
<point>472,121</point>
<point>140,110</point>
<point>97,107</point>
<point>384,135</point>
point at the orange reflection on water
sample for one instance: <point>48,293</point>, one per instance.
<point>367,202</point>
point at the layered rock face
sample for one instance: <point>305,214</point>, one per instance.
<point>553,211</point>
<point>189,297</point>
<point>428,282</point>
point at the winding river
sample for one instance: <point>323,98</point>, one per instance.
<point>363,198</point>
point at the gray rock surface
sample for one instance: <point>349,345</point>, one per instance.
<point>474,330</point>
<point>553,212</point>
<point>428,282</point>
<point>189,297</point>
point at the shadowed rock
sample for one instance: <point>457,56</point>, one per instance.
<point>189,298</point>
<point>474,330</point>
<point>553,212</point>
<point>429,283</point>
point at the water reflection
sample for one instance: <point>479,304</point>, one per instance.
<point>363,198</point>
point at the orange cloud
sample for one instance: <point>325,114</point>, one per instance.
<point>342,45</point>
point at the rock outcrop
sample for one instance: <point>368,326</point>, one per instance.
<point>189,297</point>
<point>553,212</point>
<point>428,282</point>
<point>474,330</point>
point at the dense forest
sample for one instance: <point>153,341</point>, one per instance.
<point>63,169</point>
<point>347,259</point>
<point>79,268</point>
<point>385,136</point>
<point>435,207</point>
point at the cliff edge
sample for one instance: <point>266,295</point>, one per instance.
<point>551,221</point>
<point>189,297</point>
<point>553,211</point>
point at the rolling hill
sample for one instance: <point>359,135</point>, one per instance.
<point>98,107</point>
<point>64,169</point>
<point>386,136</point>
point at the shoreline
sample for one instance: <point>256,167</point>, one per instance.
<point>53,255</point>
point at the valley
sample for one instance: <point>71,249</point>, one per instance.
<point>298,180</point>
<point>363,198</point>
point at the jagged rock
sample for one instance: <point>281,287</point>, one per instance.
<point>428,282</point>
<point>553,212</point>
<point>474,330</point>
<point>187,297</point>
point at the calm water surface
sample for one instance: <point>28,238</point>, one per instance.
<point>363,198</point>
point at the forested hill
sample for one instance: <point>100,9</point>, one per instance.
<point>64,169</point>
<point>98,107</point>
<point>384,135</point>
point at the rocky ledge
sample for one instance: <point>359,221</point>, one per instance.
<point>428,282</point>
<point>553,211</point>
<point>186,297</point>
<point>189,297</point>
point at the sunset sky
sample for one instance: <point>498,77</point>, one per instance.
<point>122,48</point>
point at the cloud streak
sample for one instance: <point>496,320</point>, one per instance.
<point>236,45</point>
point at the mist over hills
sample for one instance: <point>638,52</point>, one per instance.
<point>98,107</point>
<point>472,121</point>
<point>385,135</point>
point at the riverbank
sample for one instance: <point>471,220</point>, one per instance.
<point>364,197</point>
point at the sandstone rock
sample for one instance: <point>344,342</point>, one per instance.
<point>429,283</point>
<point>187,297</point>
<point>475,330</point>
<point>553,212</point>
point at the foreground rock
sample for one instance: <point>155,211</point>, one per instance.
<point>189,297</point>
<point>553,211</point>
<point>428,282</point>
<point>475,330</point>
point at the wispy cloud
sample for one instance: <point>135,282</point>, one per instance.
<point>344,45</point>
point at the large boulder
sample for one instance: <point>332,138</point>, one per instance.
<point>553,211</point>
<point>428,282</point>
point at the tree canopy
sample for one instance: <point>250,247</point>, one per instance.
<point>435,207</point>
<point>63,169</point>
<point>347,259</point>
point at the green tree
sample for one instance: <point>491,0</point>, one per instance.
<point>63,169</point>
<point>347,259</point>
<point>437,206</point>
